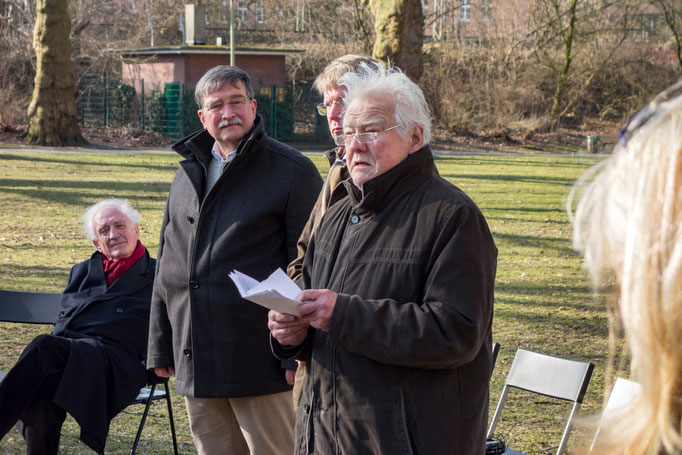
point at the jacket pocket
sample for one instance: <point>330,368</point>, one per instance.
<point>404,439</point>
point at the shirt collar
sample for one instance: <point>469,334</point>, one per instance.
<point>215,151</point>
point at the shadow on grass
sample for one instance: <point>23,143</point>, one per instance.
<point>543,180</point>
<point>550,320</point>
<point>35,278</point>
<point>560,245</point>
<point>528,210</point>
<point>32,158</point>
<point>38,190</point>
<point>550,162</point>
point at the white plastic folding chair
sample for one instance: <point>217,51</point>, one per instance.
<point>550,376</point>
<point>623,393</point>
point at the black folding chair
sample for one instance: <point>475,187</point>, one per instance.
<point>42,308</point>
<point>146,396</point>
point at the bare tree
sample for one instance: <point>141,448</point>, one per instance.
<point>399,34</point>
<point>672,16</point>
<point>52,117</point>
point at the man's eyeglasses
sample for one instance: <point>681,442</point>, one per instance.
<point>234,105</point>
<point>363,138</point>
<point>323,109</point>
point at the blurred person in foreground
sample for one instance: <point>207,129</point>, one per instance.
<point>628,224</point>
<point>238,202</point>
<point>92,365</point>
<point>332,108</point>
<point>395,322</point>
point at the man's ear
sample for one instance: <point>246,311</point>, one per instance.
<point>416,139</point>
<point>96,243</point>
<point>200,112</point>
<point>254,105</point>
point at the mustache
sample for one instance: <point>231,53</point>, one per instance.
<point>228,122</point>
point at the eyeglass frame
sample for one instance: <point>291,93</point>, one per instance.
<point>371,136</point>
<point>323,109</point>
<point>234,105</point>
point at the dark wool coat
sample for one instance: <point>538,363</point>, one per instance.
<point>249,221</point>
<point>405,364</point>
<point>108,333</point>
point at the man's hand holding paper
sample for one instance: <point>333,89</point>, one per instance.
<point>316,308</point>
<point>277,292</point>
<point>287,329</point>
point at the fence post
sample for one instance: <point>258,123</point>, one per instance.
<point>181,110</point>
<point>106,99</point>
<point>142,102</point>
<point>273,104</point>
<point>120,101</point>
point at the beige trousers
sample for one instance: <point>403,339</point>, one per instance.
<point>260,425</point>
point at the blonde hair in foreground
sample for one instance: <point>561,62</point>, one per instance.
<point>629,222</point>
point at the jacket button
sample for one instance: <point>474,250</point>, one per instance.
<point>194,284</point>
<point>354,219</point>
<point>187,352</point>
<point>119,310</point>
<point>306,408</point>
<point>190,219</point>
<point>61,313</point>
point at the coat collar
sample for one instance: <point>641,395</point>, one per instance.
<point>196,149</point>
<point>198,144</point>
<point>136,277</point>
<point>335,155</point>
<point>401,179</point>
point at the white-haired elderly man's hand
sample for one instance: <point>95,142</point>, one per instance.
<point>288,330</point>
<point>316,308</point>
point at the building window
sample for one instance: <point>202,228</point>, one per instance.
<point>241,12</point>
<point>260,13</point>
<point>465,11</point>
<point>486,10</point>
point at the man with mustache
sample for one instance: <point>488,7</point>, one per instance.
<point>238,202</point>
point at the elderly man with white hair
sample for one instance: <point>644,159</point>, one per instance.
<point>92,365</point>
<point>396,315</point>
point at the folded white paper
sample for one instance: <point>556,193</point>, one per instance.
<point>277,292</point>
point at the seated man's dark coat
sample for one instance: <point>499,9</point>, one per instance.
<point>108,328</point>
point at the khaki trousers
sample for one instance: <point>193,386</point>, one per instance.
<point>260,425</point>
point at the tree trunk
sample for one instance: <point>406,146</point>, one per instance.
<point>567,39</point>
<point>399,30</point>
<point>52,117</point>
<point>672,14</point>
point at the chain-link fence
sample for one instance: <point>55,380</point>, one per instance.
<point>104,102</point>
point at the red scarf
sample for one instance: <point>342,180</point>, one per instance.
<point>114,269</point>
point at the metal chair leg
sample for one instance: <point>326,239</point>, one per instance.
<point>144,418</point>
<point>170,418</point>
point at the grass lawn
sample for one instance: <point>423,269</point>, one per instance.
<point>543,300</point>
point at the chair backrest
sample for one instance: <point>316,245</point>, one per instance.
<point>554,377</point>
<point>29,307</point>
<point>622,394</point>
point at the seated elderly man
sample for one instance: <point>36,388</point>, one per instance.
<point>92,365</point>
<point>395,322</point>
